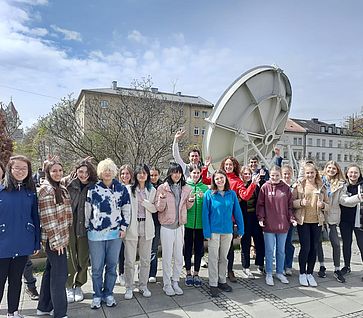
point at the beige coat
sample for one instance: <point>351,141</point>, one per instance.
<point>299,211</point>
<point>132,230</point>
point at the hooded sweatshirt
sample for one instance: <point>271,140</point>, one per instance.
<point>274,207</point>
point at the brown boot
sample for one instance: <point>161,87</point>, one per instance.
<point>231,277</point>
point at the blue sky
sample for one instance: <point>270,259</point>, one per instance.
<point>52,48</point>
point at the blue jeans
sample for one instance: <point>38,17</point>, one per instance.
<point>289,249</point>
<point>273,240</point>
<point>104,253</point>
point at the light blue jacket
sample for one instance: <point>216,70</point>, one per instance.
<point>218,211</point>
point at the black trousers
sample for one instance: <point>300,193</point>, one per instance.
<point>12,269</point>
<point>193,238</point>
<point>309,235</point>
<point>252,230</point>
<point>53,287</point>
<point>29,278</point>
<point>121,259</point>
<point>346,231</point>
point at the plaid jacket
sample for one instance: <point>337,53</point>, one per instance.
<point>55,219</point>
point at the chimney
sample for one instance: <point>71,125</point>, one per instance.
<point>114,85</point>
<point>315,120</point>
<point>154,90</point>
<point>178,93</point>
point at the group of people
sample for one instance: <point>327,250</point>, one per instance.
<point>105,216</point>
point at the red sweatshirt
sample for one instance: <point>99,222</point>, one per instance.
<point>274,207</point>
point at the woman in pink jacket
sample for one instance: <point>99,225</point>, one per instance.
<point>173,198</point>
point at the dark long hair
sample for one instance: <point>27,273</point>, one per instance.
<point>10,183</point>
<point>214,187</point>
<point>174,168</point>
<point>91,170</point>
<point>140,168</point>
<point>54,184</point>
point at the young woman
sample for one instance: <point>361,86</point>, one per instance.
<point>19,227</point>
<point>251,226</point>
<point>232,169</point>
<point>286,174</point>
<point>55,218</point>
<point>333,180</point>
<point>172,201</point>
<point>193,236</point>
<point>220,204</point>
<point>78,184</point>
<point>140,231</point>
<point>125,177</point>
<point>155,181</point>
<point>107,216</point>
<point>310,201</point>
<point>274,212</point>
<point>352,215</point>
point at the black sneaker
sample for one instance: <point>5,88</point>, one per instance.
<point>214,291</point>
<point>345,270</point>
<point>225,287</point>
<point>32,292</point>
<point>322,271</point>
<point>339,276</point>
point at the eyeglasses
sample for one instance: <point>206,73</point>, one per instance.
<point>20,169</point>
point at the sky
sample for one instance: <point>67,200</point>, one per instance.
<point>52,48</point>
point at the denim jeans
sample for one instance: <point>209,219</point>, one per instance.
<point>53,287</point>
<point>104,256</point>
<point>289,248</point>
<point>154,252</point>
<point>272,241</point>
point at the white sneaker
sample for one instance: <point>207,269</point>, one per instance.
<point>168,290</point>
<point>45,313</point>
<point>248,273</point>
<point>311,280</point>
<point>78,294</point>
<point>145,292</point>
<point>288,271</point>
<point>110,301</point>
<point>129,294</point>
<point>303,280</point>
<point>70,295</point>
<point>152,279</point>
<point>15,315</point>
<point>282,278</point>
<point>177,289</point>
<point>96,303</point>
<point>121,279</point>
<point>269,280</point>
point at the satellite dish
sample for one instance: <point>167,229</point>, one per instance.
<point>250,116</point>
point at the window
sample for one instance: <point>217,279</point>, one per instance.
<point>346,145</point>
<point>330,156</point>
<point>338,130</point>
<point>351,158</point>
<point>299,155</point>
<point>322,129</point>
<point>310,154</point>
<point>295,141</point>
<point>330,143</point>
<point>310,141</point>
<point>204,114</point>
<point>323,143</point>
<point>203,131</point>
<point>317,156</point>
<point>330,130</point>
<point>299,141</point>
<point>339,144</point>
<point>339,158</point>
<point>196,113</point>
<point>323,156</point>
<point>103,103</point>
<point>196,131</point>
<point>318,142</point>
<point>345,157</point>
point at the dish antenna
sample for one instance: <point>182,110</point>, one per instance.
<point>250,116</point>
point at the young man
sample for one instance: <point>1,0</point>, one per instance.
<point>254,163</point>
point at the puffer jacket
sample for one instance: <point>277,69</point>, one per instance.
<point>166,206</point>
<point>194,216</point>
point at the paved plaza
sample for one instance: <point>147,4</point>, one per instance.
<point>249,298</point>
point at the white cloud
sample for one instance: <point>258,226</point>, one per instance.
<point>137,37</point>
<point>68,34</point>
<point>33,2</point>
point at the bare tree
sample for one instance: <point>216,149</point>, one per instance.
<point>6,144</point>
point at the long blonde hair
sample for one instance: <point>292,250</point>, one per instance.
<point>338,178</point>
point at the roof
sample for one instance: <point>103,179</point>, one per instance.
<point>314,125</point>
<point>292,126</point>
<point>179,98</point>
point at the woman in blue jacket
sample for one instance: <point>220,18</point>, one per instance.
<point>220,203</point>
<point>19,228</point>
